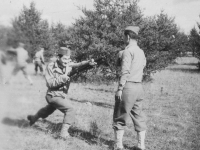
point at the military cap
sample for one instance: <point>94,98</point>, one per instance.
<point>64,51</point>
<point>135,29</point>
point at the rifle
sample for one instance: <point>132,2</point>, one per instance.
<point>99,61</point>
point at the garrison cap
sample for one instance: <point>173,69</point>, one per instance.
<point>135,29</point>
<point>64,51</point>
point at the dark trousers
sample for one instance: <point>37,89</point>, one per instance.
<point>61,104</point>
<point>130,106</point>
<point>38,64</point>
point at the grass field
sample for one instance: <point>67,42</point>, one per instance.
<point>172,105</point>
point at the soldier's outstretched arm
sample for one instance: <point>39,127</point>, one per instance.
<point>90,62</point>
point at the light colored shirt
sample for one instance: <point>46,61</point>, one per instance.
<point>39,56</point>
<point>56,79</point>
<point>133,62</point>
<point>22,56</point>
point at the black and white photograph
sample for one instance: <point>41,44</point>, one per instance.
<point>99,75</point>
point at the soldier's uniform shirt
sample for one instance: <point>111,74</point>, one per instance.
<point>132,65</point>
<point>39,56</point>
<point>57,81</point>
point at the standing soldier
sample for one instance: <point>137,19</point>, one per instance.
<point>57,81</point>
<point>39,60</point>
<point>129,96</point>
<point>21,63</point>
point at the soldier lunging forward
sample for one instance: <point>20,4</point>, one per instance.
<point>57,81</point>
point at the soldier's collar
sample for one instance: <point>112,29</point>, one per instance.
<point>132,43</point>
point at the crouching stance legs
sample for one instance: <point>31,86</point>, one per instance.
<point>54,103</point>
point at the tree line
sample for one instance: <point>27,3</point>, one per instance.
<point>99,34</point>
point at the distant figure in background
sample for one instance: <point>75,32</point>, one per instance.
<point>39,60</point>
<point>21,63</point>
<point>2,61</point>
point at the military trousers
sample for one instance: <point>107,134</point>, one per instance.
<point>38,64</point>
<point>61,104</point>
<point>130,106</point>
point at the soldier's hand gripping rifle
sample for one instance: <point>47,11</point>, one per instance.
<point>75,71</point>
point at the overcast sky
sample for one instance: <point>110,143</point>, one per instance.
<point>186,12</point>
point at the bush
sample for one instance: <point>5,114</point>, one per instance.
<point>194,40</point>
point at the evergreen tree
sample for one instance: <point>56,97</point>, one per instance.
<point>194,39</point>
<point>100,32</point>
<point>30,29</point>
<point>157,39</point>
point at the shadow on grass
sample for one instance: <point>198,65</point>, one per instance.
<point>103,90</point>
<point>185,70</point>
<point>22,123</point>
<point>86,136</point>
<point>105,105</point>
<point>54,129</point>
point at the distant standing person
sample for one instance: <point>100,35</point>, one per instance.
<point>39,60</point>
<point>21,63</point>
<point>57,81</point>
<point>129,96</point>
<point>2,61</point>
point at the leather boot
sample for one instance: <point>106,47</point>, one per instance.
<point>64,131</point>
<point>118,139</point>
<point>32,119</point>
<point>141,139</point>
